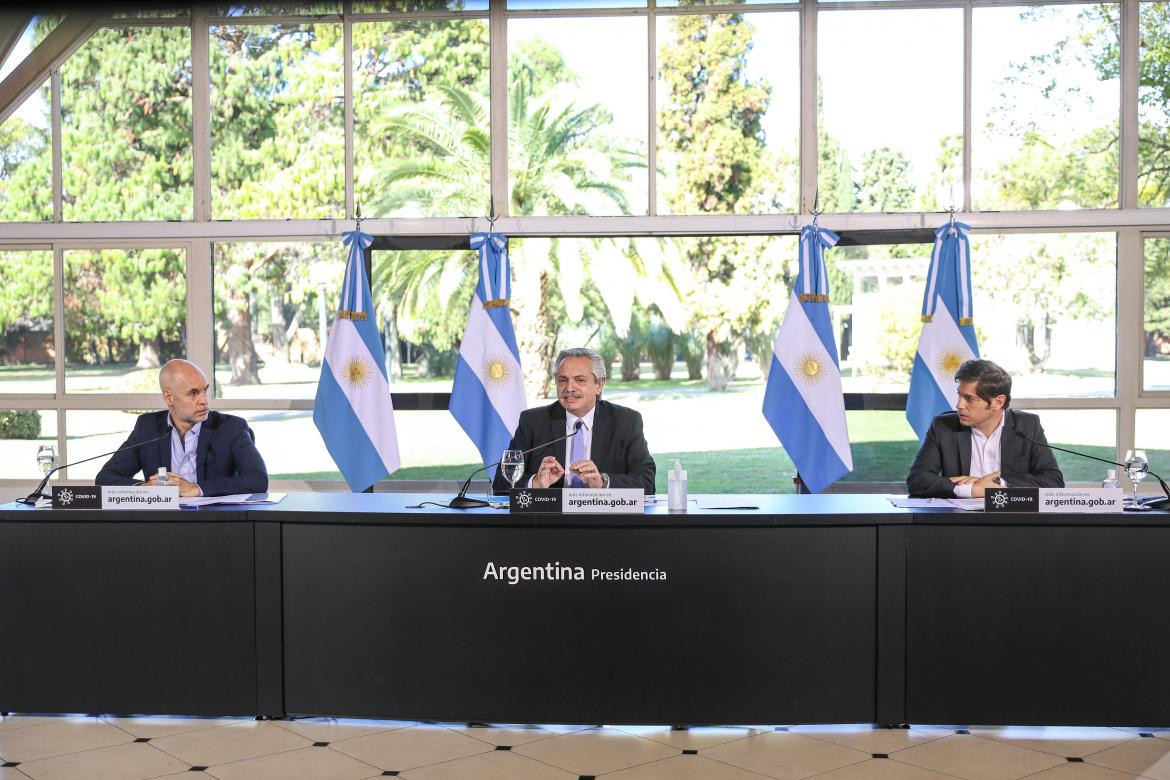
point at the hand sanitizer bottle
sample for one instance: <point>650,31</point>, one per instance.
<point>1110,479</point>
<point>676,490</point>
<point>163,480</point>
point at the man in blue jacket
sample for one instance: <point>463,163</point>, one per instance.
<point>206,453</point>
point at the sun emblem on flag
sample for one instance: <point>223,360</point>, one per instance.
<point>949,360</point>
<point>357,371</point>
<point>810,367</point>
<point>497,369</point>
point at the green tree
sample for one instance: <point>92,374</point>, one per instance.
<point>710,120</point>
<point>560,162</point>
<point>885,181</point>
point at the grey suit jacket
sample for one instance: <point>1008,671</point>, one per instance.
<point>618,447</point>
<point>946,452</point>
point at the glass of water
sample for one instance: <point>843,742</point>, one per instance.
<point>47,458</point>
<point>512,463</point>
<point>1136,468</point>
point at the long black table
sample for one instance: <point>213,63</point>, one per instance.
<point>835,608</point>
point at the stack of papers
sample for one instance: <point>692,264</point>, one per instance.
<point>238,499</point>
<point>966,504</point>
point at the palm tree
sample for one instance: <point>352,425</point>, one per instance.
<point>558,164</point>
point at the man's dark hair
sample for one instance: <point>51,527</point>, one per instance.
<point>991,380</point>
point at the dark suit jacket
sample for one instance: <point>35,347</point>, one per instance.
<point>226,463</point>
<point>618,447</point>
<point>946,452</point>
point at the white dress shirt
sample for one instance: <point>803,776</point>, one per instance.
<point>185,451</point>
<point>985,456</point>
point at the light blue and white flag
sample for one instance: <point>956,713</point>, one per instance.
<point>948,330</point>
<point>488,394</point>
<point>803,401</point>
<point>353,411</point>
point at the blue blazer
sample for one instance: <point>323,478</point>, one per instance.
<point>226,462</point>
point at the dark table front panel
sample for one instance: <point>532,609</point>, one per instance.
<point>1038,625</point>
<point>127,617</point>
<point>752,625</point>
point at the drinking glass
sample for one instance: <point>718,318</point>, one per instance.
<point>47,457</point>
<point>512,463</point>
<point>1136,468</point>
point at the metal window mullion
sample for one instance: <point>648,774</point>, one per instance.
<point>808,105</point>
<point>652,112</point>
<point>1130,297</point>
<point>347,66</point>
<point>968,97</point>
<point>498,104</point>
<point>1128,156</point>
<point>200,308</point>
<point>201,114</point>
<point>59,354</point>
<point>55,125</point>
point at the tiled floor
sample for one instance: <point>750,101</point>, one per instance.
<point>115,748</point>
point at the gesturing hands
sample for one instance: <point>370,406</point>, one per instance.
<point>587,471</point>
<point>549,472</point>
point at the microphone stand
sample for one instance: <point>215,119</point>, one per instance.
<point>1161,503</point>
<point>461,501</point>
<point>32,498</point>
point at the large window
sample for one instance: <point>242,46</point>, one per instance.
<point>1156,331</point>
<point>890,115</point>
<point>421,136</point>
<point>125,315</point>
<point>131,88</point>
<point>1047,90</point>
<point>178,186</point>
<point>577,145</point>
<point>1153,104</point>
<point>728,113</point>
<point>277,125</point>
<point>26,322</point>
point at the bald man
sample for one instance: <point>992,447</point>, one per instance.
<point>205,453</point>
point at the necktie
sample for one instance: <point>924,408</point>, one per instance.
<point>577,451</point>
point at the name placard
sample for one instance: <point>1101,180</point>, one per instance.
<point>115,497</point>
<point>577,501</point>
<point>617,501</point>
<point>1066,500</point>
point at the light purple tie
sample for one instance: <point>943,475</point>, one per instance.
<point>577,451</point>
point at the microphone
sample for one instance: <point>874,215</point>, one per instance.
<point>32,498</point>
<point>1162,503</point>
<point>461,501</point>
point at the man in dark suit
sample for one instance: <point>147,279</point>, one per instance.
<point>206,453</point>
<point>979,445</point>
<point>608,450</point>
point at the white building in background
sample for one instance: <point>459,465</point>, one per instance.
<point>887,293</point>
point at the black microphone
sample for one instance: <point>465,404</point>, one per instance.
<point>1162,503</point>
<point>32,498</point>
<point>461,501</point>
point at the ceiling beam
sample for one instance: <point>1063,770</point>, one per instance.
<point>25,78</point>
<point>11,28</point>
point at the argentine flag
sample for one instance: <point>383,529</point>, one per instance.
<point>488,394</point>
<point>353,411</point>
<point>803,401</point>
<point>948,331</point>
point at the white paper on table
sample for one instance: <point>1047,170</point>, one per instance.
<point>237,499</point>
<point>966,504</point>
